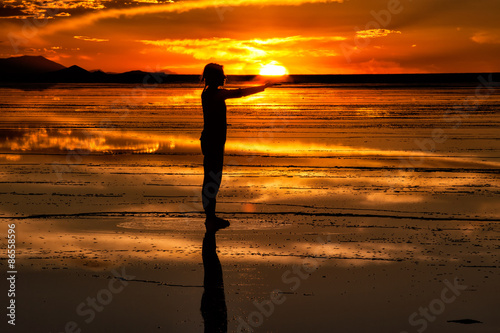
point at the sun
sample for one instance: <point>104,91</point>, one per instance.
<point>273,69</point>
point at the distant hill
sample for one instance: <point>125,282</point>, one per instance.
<point>37,70</point>
<point>152,78</point>
<point>28,65</point>
<point>69,74</point>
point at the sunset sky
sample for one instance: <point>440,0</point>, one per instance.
<point>304,36</point>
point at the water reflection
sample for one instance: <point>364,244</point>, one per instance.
<point>213,302</point>
<point>105,141</point>
<point>63,140</point>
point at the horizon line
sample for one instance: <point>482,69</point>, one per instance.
<point>256,74</point>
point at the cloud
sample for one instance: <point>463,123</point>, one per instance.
<point>91,39</point>
<point>486,37</point>
<point>219,6</point>
<point>250,50</point>
<point>375,33</point>
<point>45,9</point>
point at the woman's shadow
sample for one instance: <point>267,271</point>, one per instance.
<point>213,301</point>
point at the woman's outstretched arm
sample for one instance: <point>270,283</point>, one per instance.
<point>242,92</point>
<point>254,90</point>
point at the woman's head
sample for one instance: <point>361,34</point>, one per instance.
<point>213,75</point>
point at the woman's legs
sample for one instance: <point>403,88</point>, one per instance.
<point>213,162</point>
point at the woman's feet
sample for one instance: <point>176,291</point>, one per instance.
<point>214,224</point>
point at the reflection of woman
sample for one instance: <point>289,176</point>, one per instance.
<point>213,301</point>
<point>213,137</point>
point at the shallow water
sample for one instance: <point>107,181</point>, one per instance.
<point>388,191</point>
<point>79,148</point>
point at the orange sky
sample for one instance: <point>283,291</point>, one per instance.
<point>305,36</point>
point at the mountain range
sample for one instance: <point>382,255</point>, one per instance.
<point>37,69</point>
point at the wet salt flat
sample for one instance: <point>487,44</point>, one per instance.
<point>388,190</point>
<point>88,148</point>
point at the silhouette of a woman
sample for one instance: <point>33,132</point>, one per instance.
<point>213,137</point>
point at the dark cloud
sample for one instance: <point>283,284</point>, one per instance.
<point>454,13</point>
<point>9,11</point>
